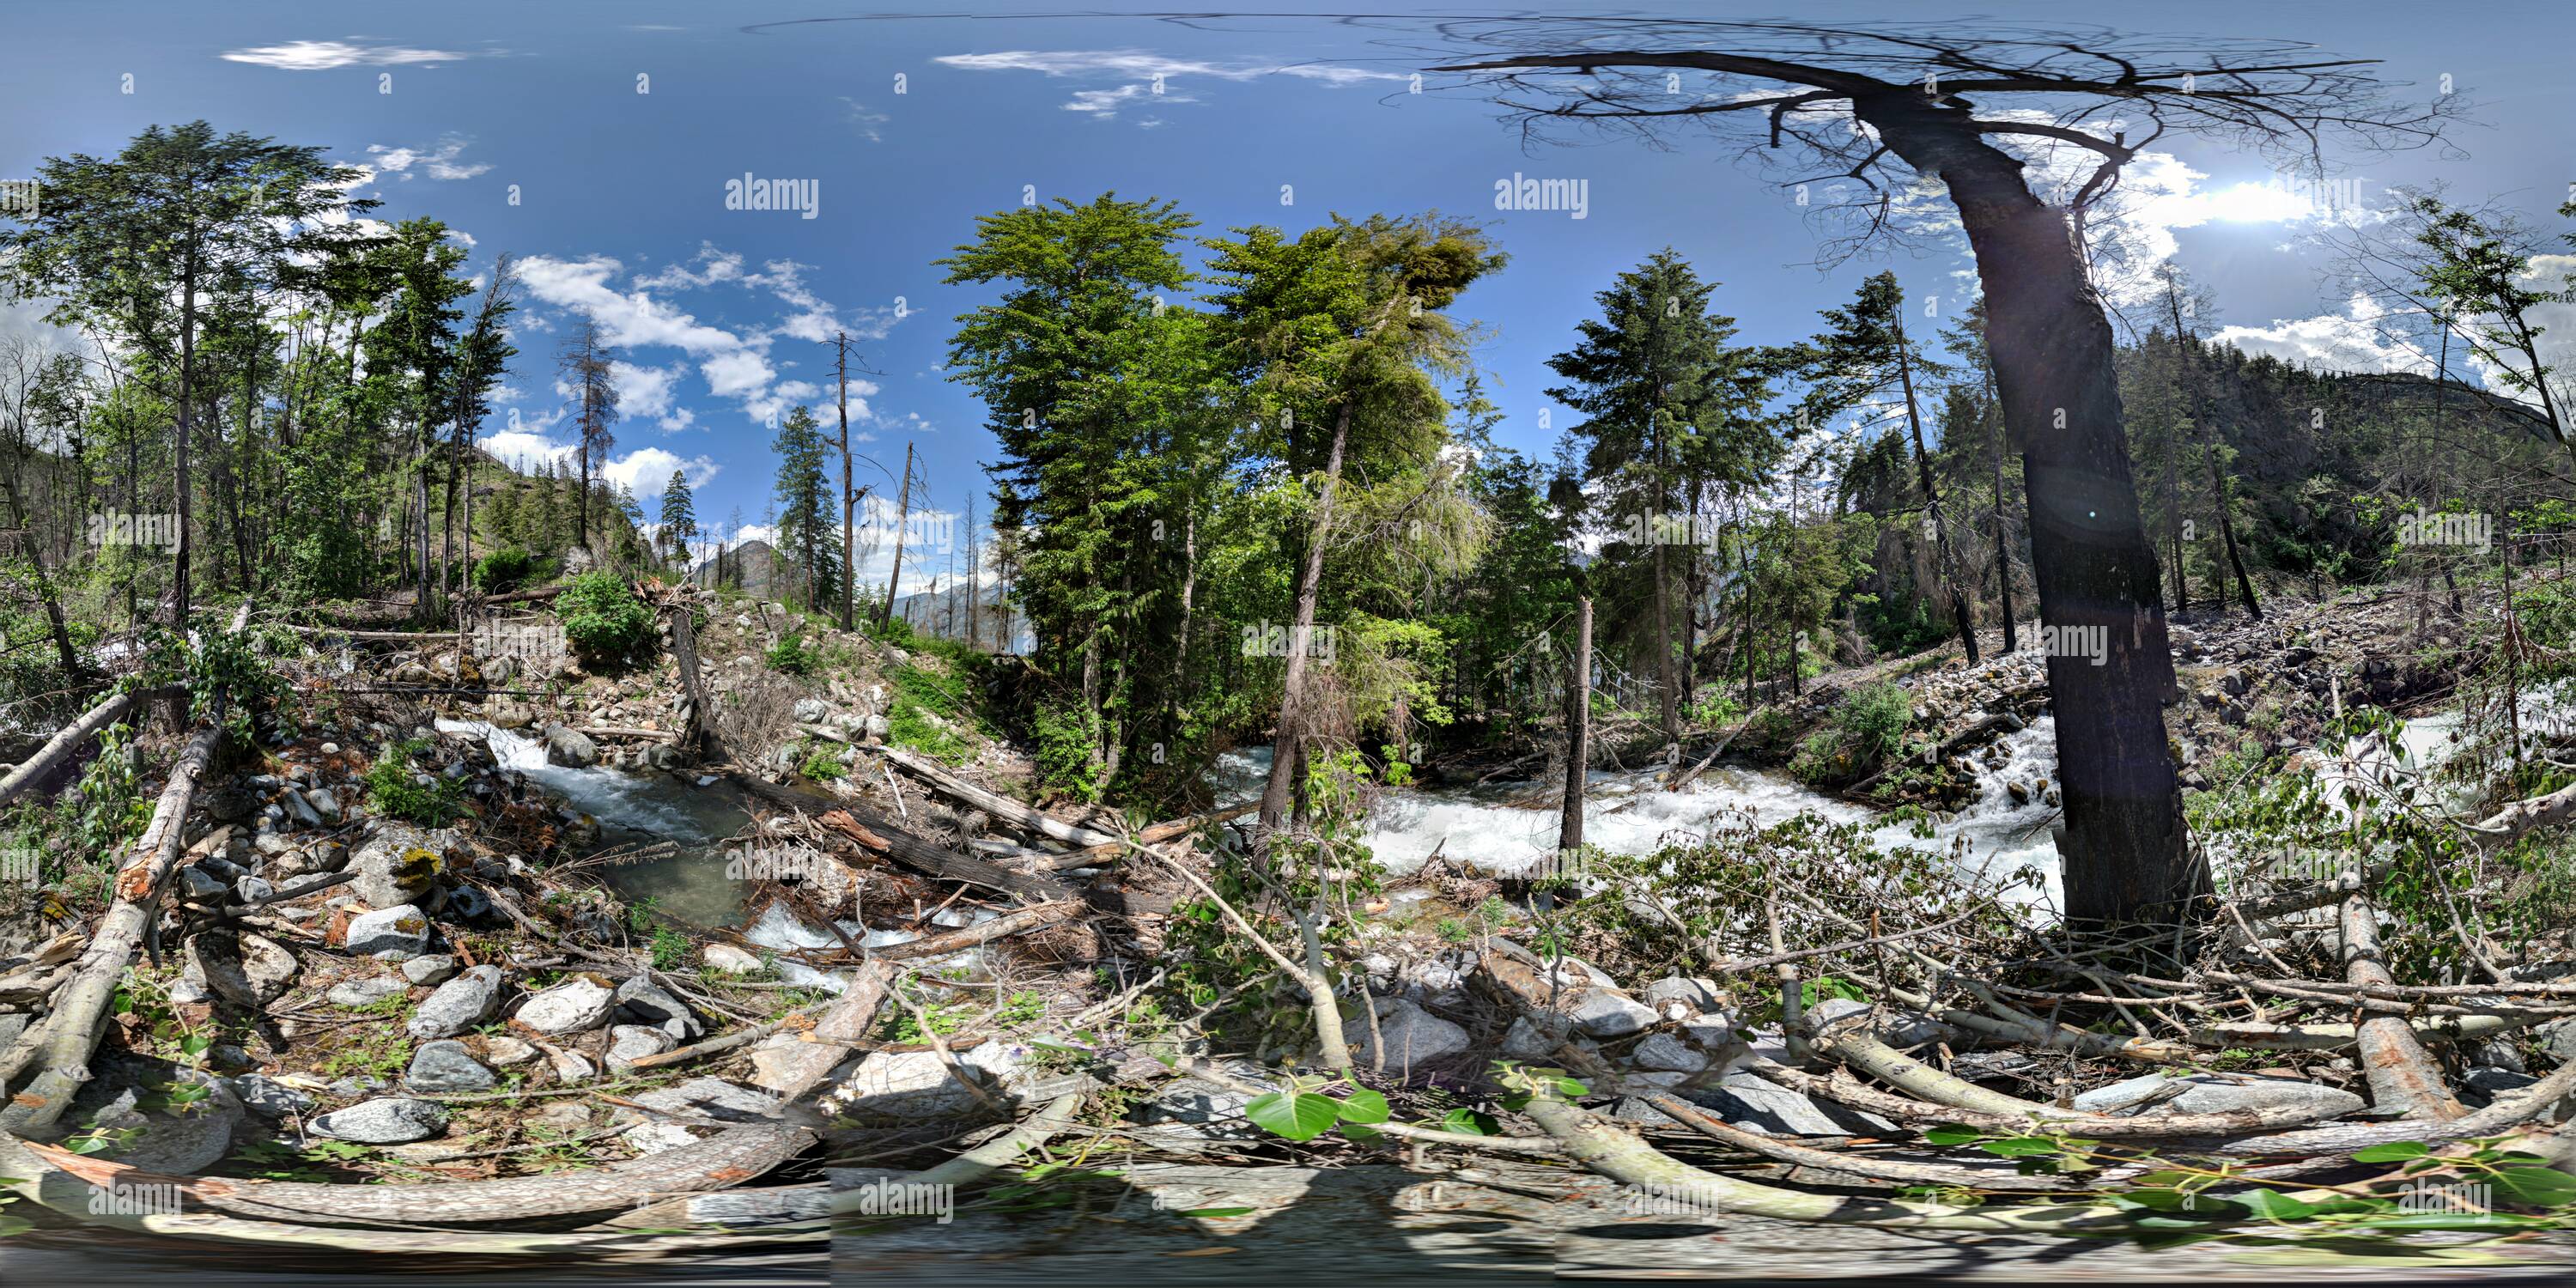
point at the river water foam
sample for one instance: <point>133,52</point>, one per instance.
<point>1495,828</point>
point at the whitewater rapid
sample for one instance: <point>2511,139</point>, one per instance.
<point>1497,830</point>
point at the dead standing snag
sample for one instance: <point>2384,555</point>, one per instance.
<point>1881,106</point>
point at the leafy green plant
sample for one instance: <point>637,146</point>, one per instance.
<point>822,764</point>
<point>395,787</point>
<point>791,656</point>
<point>602,619</point>
<point>670,948</point>
<point>504,570</point>
<point>1303,1109</point>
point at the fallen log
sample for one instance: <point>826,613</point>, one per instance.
<point>718,1162</point>
<point>1096,855</point>
<point>59,748</point>
<point>845,1023</point>
<point>620,731</point>
<point>80,1008</point>
<point>1677,782</point>
<point>700,736</point>
<point>1000,807</point>
<point>878,837</point>
<point>2402,1074</point>
<point>983,1161</point>
<point>1020,922</point>
<point>423,638</point>
<point>1849,1164</point>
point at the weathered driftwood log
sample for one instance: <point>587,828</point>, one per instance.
<point>59,748</point>
<point>1000,807</point>
<point>982,1162</point>
<point>1020,922</point>
<point>72,1030</point>
<point>1676,782</point>
<point>2402,1074</point>
<point>718,1162</point>
<point>1847,1163</point>
<point>878,837</point>
<point>1095,855</point>
<point>424,639</point>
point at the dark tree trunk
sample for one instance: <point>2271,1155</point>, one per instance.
<point>1285,758</point>
<point>2003,555</point>
<point>1932,504</point>
<point>1578,730</point>
<point>2124,853</point>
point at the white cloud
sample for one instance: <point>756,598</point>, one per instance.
<point>439,164</point>
<point>648,470</point>
<point>741,373</point>
<point>869,124</point>
<point>523,451</point>
<point>2360,338</point>
<point>647,392</point>
<point>326,55</point>
<point>627,320</point>
<point>738,364</point>
<point>1147,75</point>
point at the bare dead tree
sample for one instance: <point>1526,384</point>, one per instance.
<point>1906,114</point>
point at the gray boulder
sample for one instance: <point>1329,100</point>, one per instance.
<point>714,1098</point>
<point>907,1085</point>
<point>1602,1013</point>
<point>268,1097</point>
<point>1526,1039</point>
<point>436,968</point>
<point>1410,1036</point>
<point>391,1121</point>
<point>628,1043</point>
<point>1757,1105</point>
<point>398,864</point>
<point>570,748</point>
<point>248,971</point>
<point>575,1006</point>
<point>642,1001</point>
<point>459,1004</point>
<point>2558,1038</point>
<point>1896,1027</point>
<point>1700,995</point>
<point>446,1066</point>
<point>1666,1052</point>
<point>398,933</point>
<point>1187,1111</point>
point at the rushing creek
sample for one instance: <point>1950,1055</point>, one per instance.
<point>1496,827</point>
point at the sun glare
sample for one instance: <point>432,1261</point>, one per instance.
<point>2255,203</point>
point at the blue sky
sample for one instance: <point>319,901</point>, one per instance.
<point>620,210</point>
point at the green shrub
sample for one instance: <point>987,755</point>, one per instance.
<point>398,794</point>
<point>1866,731</point>
<point>822,765</point>
<point>1873,720</point>
<point>601,618</point>
<point>790,655</point>
<point>504,569</point>
<point>920,693</point>
<point>670,949</point>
